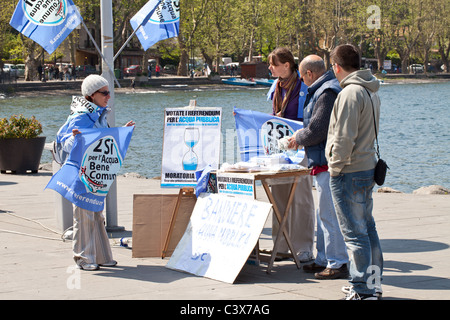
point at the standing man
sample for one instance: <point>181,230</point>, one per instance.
<point>323,88</point>
<point>351,159</point>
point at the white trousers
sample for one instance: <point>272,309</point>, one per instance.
<point>90,240</point>
<point>301,222</point>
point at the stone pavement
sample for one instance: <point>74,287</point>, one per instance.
<point>37,264</point>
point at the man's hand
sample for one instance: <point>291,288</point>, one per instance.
<point>292,143</point>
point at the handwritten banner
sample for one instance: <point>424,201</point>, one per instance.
<point>221,234</point>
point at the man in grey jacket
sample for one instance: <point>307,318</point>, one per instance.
<point>332,258</point>
<point>351,159</point>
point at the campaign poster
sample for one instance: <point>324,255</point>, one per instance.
<point>241,185</point>
<point>221,234</point>
<point>93,164</point>
<point>192,140</point>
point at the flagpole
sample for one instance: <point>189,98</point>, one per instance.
<point>100,52</point>
<point>126,42</point>
<point>108,52</point>
<point>144,21</point>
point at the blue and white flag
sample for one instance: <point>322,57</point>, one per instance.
<point>202,177</point>
<point>46,22</point>
<point>258,133</point>
<point>96,158</point>
<point>160,20</point>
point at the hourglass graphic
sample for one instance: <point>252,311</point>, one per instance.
<point>190,159</point>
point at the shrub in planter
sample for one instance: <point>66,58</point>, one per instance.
<point>20,145</point>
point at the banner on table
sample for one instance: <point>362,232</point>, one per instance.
<point>258,133</point>
<point>157,20</point>
<point>47,22</point>
<point>96,158</point>
<point>221,234</point>
<point>238,185</point>
<point>192,140</point>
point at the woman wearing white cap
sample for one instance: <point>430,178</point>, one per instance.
<point>91,247</point>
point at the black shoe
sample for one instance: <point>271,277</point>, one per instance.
<point>313,268</point>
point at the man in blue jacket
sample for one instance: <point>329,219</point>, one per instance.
<point>323,88</point>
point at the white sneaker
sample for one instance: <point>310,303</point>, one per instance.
<point>348,290</point>
<point>88,266</point>
<point>305,256</point>
<point>112,263</point>
<point>355,296</point>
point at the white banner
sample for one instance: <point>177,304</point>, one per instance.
<point>192,140</point>
<point>239,185</point>
<point>221,234</point>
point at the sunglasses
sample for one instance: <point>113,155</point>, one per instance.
<point>105,93</point>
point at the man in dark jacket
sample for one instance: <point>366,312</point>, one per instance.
<point>323,88</point>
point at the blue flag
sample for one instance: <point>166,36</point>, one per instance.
<point>258,133</point>
<point>96,158</point>
<point>160,20</point>
<point>46,22</point>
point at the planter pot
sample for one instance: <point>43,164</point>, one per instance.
<point>21,155</point>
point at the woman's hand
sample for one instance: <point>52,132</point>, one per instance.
<point>130,123</point>
<point>75,132</point>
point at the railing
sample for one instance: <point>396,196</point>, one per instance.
<point>6,77</point>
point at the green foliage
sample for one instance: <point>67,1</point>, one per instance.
<point>241,29</point>
<point>19,127</point>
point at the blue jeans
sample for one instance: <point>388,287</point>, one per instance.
<point>330,245</point>
<point>352,195</point>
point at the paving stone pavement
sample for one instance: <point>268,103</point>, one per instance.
<point>37,265</point>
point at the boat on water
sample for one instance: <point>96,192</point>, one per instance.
<point>239,82</point>
<point>264,82</point>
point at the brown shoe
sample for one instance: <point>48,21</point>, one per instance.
<point>313,268</point>
<point>329,273</point>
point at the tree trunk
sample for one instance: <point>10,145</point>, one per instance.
<point>184,59</point>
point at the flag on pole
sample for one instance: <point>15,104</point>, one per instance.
<point>157,20</point>
<point>46,22</point>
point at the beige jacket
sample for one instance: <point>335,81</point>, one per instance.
<point>351,133</point>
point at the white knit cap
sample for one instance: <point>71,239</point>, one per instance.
<point>92,83</point>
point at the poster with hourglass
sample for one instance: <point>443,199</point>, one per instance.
<point>192,140</point>
<point>190,158</point>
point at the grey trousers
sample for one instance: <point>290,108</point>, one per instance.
<point>90,240</point>
<point>301,222</point>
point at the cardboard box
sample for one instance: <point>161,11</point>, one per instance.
<point>159,222</point>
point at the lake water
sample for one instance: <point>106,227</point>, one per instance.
<point>414,130</point>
